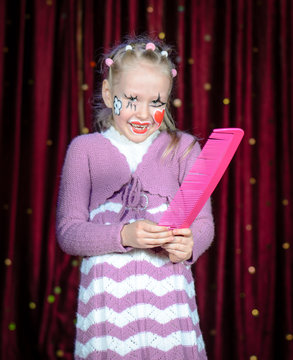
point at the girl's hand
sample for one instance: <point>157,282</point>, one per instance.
<point>180,249</point>
<point>145,234</point>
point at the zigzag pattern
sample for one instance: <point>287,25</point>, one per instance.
<point>131,329</point>
<point>134,303</point>
<point>177,352</point>
<point>133,343</point>
<point>108,206</point>
<point>134,267</point>
<point>136,312</point>
<point>138,297</point>
<point>120,260</point>
<point>136,283</point>
<point>150,302</point>
<point>158,209</point>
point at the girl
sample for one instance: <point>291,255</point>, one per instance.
<point>136,297</point>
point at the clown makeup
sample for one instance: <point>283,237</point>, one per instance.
<point>139,127</point>
<point>130,105</point>
<point>138,100</point>
<point>158,102</point>
<point>117,104</point>
<point>155,103</point>
<point>131,101</point>
<point>158,116</point>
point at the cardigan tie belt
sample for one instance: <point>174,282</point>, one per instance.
<point>133,198</point>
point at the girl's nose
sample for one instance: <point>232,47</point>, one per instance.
<point>143,111</point>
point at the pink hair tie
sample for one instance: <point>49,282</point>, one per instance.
<point>109,62</point>
<point>150,46</point>
<point>174,72</point>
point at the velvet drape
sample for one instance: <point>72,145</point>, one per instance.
<point>234,62</point>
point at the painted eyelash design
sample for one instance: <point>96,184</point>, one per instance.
<point>131,98</point>
<point>155,103</point>
<point>158,102</point>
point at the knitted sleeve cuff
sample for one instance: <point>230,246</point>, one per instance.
<point>89,239</point>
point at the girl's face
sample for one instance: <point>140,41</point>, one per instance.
<point>138,100</point>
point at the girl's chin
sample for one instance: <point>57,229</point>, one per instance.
<point>137,138</point>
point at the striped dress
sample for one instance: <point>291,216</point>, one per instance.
<point>137,304</point>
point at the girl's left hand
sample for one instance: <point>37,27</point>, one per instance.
<point>180,249</point>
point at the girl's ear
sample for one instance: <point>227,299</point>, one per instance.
<point>106,93</point>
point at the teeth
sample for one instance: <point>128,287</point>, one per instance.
<point>139,126</point>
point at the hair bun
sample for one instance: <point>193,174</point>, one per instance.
<point>174,72</point>
<point>109,62</point>
<point>150,46</point>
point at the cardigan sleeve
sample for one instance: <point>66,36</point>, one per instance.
<point>203,226</point>
<point>76,234</point>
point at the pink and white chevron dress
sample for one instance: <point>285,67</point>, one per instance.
<point>136,305</point>
<point>133,303</point>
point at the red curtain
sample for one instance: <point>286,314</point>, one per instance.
<point>234,61</point>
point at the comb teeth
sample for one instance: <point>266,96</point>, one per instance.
<point>202,178</point>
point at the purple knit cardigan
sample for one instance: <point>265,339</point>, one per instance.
<point>94,170</point>
<point>132,303</point>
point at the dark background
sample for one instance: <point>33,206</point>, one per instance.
<point>234,63</point>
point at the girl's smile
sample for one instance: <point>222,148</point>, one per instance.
<point>139,128</point>
<point>138,100</point>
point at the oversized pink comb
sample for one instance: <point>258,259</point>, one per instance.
<point>202,178</point>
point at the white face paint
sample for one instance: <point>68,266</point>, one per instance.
<point>117,105</point>
<point>139,100</point>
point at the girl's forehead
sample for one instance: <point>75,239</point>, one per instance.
<point>143,75</point>
<point>142,66</point>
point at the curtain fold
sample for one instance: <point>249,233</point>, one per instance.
<point>234,61</point>
<point>14,150</point>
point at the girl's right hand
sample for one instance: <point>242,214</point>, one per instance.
<point>145,234</point>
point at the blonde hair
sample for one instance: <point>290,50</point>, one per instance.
<point>121,57</point>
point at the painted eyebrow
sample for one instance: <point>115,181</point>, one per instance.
<point>159,100</point>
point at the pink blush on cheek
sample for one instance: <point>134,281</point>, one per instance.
<point>158,116</point>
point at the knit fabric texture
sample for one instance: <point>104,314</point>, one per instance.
<point>133,303</point>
